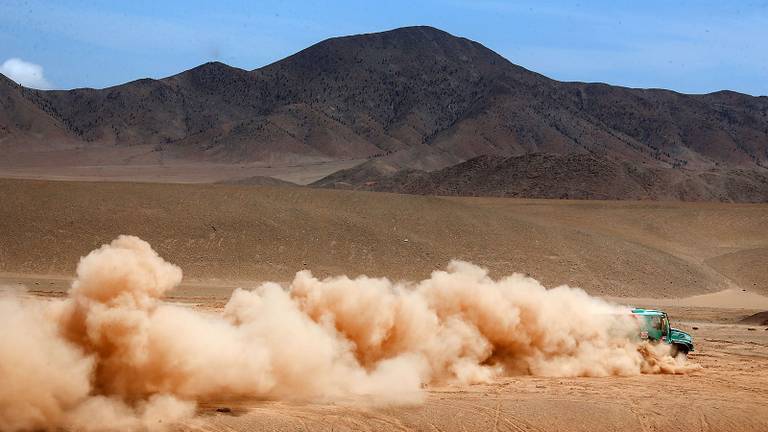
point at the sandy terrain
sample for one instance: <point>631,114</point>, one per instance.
<point>684,258</point>
<point>243,233</point>
<point>177,171</point>
<point>727,394</point>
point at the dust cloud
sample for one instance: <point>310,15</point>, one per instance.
<point>114,356</point>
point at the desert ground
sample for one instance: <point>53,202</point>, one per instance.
<point>220,234</point>
<point>704,263</point>
<point>728,393</point>
<point>71,166</point>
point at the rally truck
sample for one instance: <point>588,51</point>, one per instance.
<point>654,327</point>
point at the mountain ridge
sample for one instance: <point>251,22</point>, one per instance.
<point>415,97</point>
<point>549,176</point>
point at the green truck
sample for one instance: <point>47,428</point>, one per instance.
<point>654,326</point>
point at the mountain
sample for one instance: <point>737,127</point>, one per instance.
<point>25,120</point>
<point>413,98</point>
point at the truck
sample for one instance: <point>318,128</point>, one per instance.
<point>655,327</point>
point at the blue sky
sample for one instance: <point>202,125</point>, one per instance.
<point>689,46</point>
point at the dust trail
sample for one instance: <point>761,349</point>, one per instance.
<point>113,356</point>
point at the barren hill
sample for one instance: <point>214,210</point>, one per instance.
<point>572,176</point>
<point>24,123</point>
<point>414,97</point>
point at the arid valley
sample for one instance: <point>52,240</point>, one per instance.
<point>438,216</point>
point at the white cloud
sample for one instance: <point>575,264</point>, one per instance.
<point>25,73</point>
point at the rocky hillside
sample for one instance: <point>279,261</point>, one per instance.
<point>413,97</point>
<point>574,176</point>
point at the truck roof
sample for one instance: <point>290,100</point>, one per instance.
<point>651,312</point>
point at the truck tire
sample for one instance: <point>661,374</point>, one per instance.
<point>679,351</point>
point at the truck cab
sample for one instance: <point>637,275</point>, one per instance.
<point>655,327</point>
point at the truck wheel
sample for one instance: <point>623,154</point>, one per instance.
<point>679,351</point>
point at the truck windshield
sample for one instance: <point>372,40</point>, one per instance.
<point>656,323</point>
